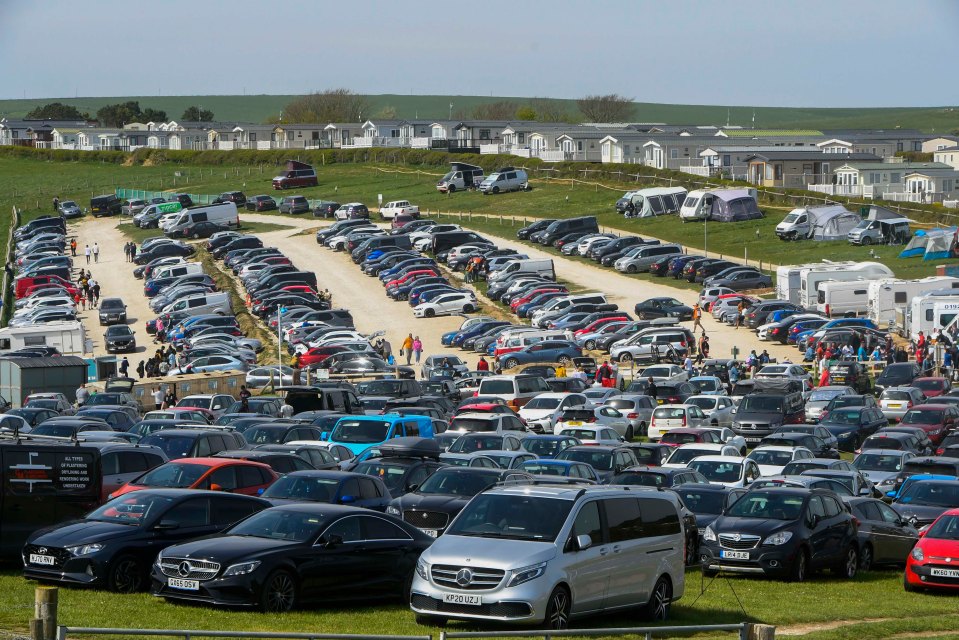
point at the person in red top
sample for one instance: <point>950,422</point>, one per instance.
<point>482,365</point>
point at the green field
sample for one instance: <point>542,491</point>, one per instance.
<point>257,108</point>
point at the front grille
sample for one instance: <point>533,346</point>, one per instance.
<point>470,578</point>
<point>738,541</point>
<point>494,610</point>
<point>426,519</point>
<point>60,556</point>
<point>189,568</point>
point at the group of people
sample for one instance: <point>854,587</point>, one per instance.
<point>88,291</point>
<point>130,251</point>
<point>476,269</point>
<point>88,251</point>
<point>160,363</point>
<point>412,347</point>
<point>164,399</point>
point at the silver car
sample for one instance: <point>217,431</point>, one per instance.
<point>896,401</point>
<point>542,555</point>
<point>821,396</point>
<point>719,409</point>
<point>638,410</point>
<point>882,466</point>
<point>262,376</point>
<point>592,416</point>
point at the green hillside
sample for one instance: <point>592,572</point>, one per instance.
<point>257,108</point>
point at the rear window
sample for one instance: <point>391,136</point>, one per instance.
<point>577,414</point>
<point>677,438</point>
<point>496,386</point>
<point>473,424</point>
<point>669,412</point>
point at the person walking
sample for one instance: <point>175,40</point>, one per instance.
<point>73,247</point>
<point>56,204</point>
<point>126,252</point>
<point>417,348</point>
<point>124,367</point>
<point>407,348</point>
<point>82,395</point>
<point>482,365</point>
<point>697,318</point>
<point>141,369</point>
<point>244,399</point>
<point>295,363</point>
<point>651,388</point>
<point>133,251</point>
<point>90,296</point>
<point>87,252</point>
<point>96,252</point>
<point>95,288</point>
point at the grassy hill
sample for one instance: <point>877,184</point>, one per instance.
<point>257,108</point>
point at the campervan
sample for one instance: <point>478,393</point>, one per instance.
<point>505,179</point>
<point>540,267</point>
<point>223,214</point>
<point>460,177</point>
<point>810,278</point>
<point>723,205</point>
<point>69,338</point>
<point>655,201</point>
<point>889,295</point>
<point>823,222</point>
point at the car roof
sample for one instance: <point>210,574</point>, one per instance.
<point>734,459</point>
<point>572,493</point>
<point>473,415</point>
<point>215,462</point>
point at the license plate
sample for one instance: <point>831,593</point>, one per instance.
<point>945,573</point>
<point>575,423</point>
<point>433,533</point>
<point>895,405</point>
<point>734,555</point>
<point>177,583</point>
<point>462,598</point>
<point>753,439</point>
<point>38,559</point>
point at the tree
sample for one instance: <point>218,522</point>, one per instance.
<point>608,108</point>
<point>197,114</point>
<point>153,115</point>
<point>526,112</point>
<point>57,111</point>
<point>331,105</point>
<point>117,115</point>
<point>550,110</point>
<point>387,112</point>
<point>501,110</point>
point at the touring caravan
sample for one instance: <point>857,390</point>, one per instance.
<point>787,278</point>
<point>810,278</point>
<point>823,222</point>
<point>837,298</point>
<point>721,205</point>
<point>930,312</point>
<point>655,201</point>
<point>889,295</point>
<point>69,338</point>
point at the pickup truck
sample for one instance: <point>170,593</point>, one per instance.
<point>392,209</point>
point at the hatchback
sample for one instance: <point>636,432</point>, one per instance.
<point>924,566</point>
<point>674,416</point>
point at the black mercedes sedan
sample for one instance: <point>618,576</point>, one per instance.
<point>295,554</point>
<point>114,545</point>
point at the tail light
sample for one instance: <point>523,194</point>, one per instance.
<point>676,400</point>
<point>684,416</point>
<point>940,451</point>
<point>909,405</point>
<point>593,419</point>
<point>632,416</point>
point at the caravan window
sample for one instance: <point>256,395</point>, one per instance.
<point>691,202</point>
<point>656,204</point>
<point>900,297</point>
<point>34,341</point>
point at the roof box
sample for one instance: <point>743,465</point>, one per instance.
<point>410,448</point>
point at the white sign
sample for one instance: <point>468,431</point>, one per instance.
<point>322,374</point>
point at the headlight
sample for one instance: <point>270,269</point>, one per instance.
<point>709,535</point>
<point>888,482</point>
<point>423,569</point>
<point>84,549</point>
<point>393,511</point>
<point>845,435</point>
<point>777,539</point>
<point>241,569</point>
<point>917,554</point>
<point>519,576</point>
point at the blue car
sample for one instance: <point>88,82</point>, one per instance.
<point>474,331</point>
<point>547,446</point>
<point>389,274</point>
<point>782,314</point>
<point>917,478</point>
<point>850,322</point>
<point>358,433</point>
<point>332,487</point>
<point>803,327</point>
<point>547,351</point>
<point>526,309</point>
<point>561,468</point>
<point>676,265</point>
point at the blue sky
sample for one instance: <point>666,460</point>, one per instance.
<point>840,53</point>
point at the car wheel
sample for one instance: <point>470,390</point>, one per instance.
<point>557,611</point>
<point>125,576</point>
<point>429,313</point>
<point>590,345</point>
<point>800,568</point>
<point>692,552</point>
<point>626,357</point>
<point>631,268</point>
<point>468,308</point>
<point>629,434</point>
<point>848,566</point>
<point>866,241</point>
<point>565,361</point>
<point>279,593</point>
<point>865,558</point>
<point>495,189</point>
<point>659,602</point>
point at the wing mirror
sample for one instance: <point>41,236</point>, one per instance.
<point>583,542</point>
<point>347,499</point>
<point>167,525</point>
<point>333,541</point>
<point>215,487</point>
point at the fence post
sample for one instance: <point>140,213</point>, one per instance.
<point>45,613</point>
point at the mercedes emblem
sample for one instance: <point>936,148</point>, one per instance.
<point>464,577</point>
<point>184,569</point>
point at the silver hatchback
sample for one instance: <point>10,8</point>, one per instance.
<point>543,555</point>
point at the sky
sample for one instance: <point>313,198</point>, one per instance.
<point>823,53</point>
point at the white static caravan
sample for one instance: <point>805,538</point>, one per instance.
<point>69,338</point>
<point>889,296</point>
<point>810,278</point>
<point>935,310</point>
<point>787,278</point>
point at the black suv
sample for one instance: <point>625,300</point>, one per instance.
<point>106,205</point>
<point>783,532</point>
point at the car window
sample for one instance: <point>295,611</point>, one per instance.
<point>368,490</point>
<point>816,507</point>
<point>379,529</point>
<point>350,487</point>
<point>249,476</point>
<point>348,529</point>
<point>623,519</point>
<point>191,513</point>
<point>887,513</point>
<point>133,462</point>
<point>227,511</point>
<point>832,506</point>
<point>588,523</point>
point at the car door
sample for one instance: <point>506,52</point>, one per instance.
<point>632,571</point>
<point>815,514</point>
<point>589,569</point>
<point>335,565</point>
<point>902,537</point>
<point>836,525</point>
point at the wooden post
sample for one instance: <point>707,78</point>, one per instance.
<point>760,632</point>
<point>45,610</point>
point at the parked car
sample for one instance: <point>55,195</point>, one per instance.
<point>924,569</point>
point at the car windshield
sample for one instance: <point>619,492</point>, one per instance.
<point>599,460</point>
<point>717,471</point>
<point>844,417</point>
<point>880,442</point>
<point>771,457</point>
<point>796,468</point>
<point>922,416</point>
<point>457,483</point>
<point>44,404</point>
<point>133,509</point>
<point>580,415</point>
<point>57,430</point>
<point>945,528</point>
<point>766,504</point>
<point>542,403</point>
<point>111,304</point>
<point>391,474</point>
<point>360,431</point>
<point>707,404</point>
<point>931,494</point>
<point>303,488</point>
<point>684,455</point>
<point>470,445</point>
<point>771,404</point>
<point>703,502</point>
<point>705,385</point>
<point>542,447</point>
<point>825,395</point>
<point>516,517</point>
<point>104,398</point>
<point>929,384</point>
<point>279,524</point>
<point>473,425</point>
<point>379,387</point>
<point>173,476</point>
<point>640,478</point>
<point>373,404</point>
<point>173,446</point>
<point>195,401</point>
<point>545,469</point>
<point>264,435</point>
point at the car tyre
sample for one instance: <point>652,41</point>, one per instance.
<point>468,308</point>
<point>865,558</point>
<point>279,593</point>
<point>626,357</point>
<point>495,189</point>
<point>657,608</point>
<point>866,241</point>
<point>799,570</point>
<point>557,609</point>
<point>429,313</point>
<point>590,345</point>
<point>565,360</point>
<point>631,268</point>
<point>126,575</point>
<point>849,564</point>
<point>512,362</point>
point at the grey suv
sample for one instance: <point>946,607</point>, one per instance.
<point>546,554</point>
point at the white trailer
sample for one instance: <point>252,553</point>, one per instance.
<point>887,296</point>
<point>787,278</point>
<point>69,338</point>
<point>936,310</point>
<point>810,278</point>
<point>838,298</point>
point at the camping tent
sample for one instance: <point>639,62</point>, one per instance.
<point>931,244</point>
<point>734,205</point>
<point>833,222</point>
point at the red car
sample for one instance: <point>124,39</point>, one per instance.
<point>316,355</point>
<point>411,275</point>
<point>596,325</point>
<point>217,474</point>
<point>935,419</point>
<point>932,387</point>
<point>401,220</point>
<point>934,561</point>
<point>484,407</point>
<point>25,283</point>
<point>686,435</point>
<point>515,304</point>
<point>71,290</point>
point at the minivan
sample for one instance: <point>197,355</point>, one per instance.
<point>639,259</point>
<point>176,270</point>
<point>223,214</point>
<point>539,267</point>
<point>516,389</point>
<point>557,305</point>
<point>448,239</point>
<point>506,179</point>
<point>553,553</point>
<point>106,205</point>
<point>560,228</point>
<point>297,174</point>
<point>216,302</point>
<point>358,433</point>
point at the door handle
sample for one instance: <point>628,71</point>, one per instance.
<point>603,551</point>
<point>616,549</point>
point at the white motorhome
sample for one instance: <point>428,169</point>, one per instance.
<point>787,278</point>
<point>888,296</point>
<point>810,278</point>
<point>837,298</point>
<point>69,338</point>
<point>935,310</point>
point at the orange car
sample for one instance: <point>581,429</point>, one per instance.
<point>217,474</point>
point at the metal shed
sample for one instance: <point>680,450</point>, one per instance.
<point>19,377</point>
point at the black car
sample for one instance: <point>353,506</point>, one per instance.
<point>119,337</point>
<point>663,308</point>
<point>852,425</point>
<point>659,477</point>
<point>885,538</point>
<point>707,501</point>
<point>276,433</point>
<point>260,203</point>
<point>332,487</point>
<point>607,460</point>
<point>33,415</point>
<point>295,554</point>
<point>539,225</point>
<point>236,197</point>
<point>783,532</point>
<point>198,230</point>
<point>164,250</point>
<point>325,209</point>
<point>401,474</point>
<point>920,502</point>
<point>320,457</point>
<point>652,453</point>
<point>434,504</point>
<point>114,546</point>
<point>280,461</point>
<point>112,311</point>
<point>899,374</point>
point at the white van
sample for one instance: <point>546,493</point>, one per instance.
<point>506,179</point>
<point>930,312</point>
<point>656,201</point>
<point>69,338</point>
<point>175,270</point>
<point>810,278</point>
<point>150,216</point>
<point>839,299</point>
<point>888,295</point>
<point>217,302</point>
<point>556,305</point>
<point>223,214</point>
<point>536,267</point>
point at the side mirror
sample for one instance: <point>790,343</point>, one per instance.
<point>325,435</point>
<point>865,491</point>
<point>412,487</point>
<point>333,541</point>
<point>813,521</point>
<point>583,542</point>
<point>347,499</point>
<point>215,487</point>
<point>167,525</point>
<point>260,491</point>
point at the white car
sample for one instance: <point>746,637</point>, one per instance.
<point>728,436</point>
<point>686,453</point>
<point>710,294</point>
<point>728,471</point>
<point>664,373</point>
<point>542,412</point>
<point>719,409</point>
<point>590,241</point>
<point>447,304</point>
<point>398,207</point>
<point>465,249</point>
<point>772,459</point>
<point>790,371</point>
<point>592,416</point>
<point>592,435</point>
<point>675,416</point>
<point>168,219</point>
